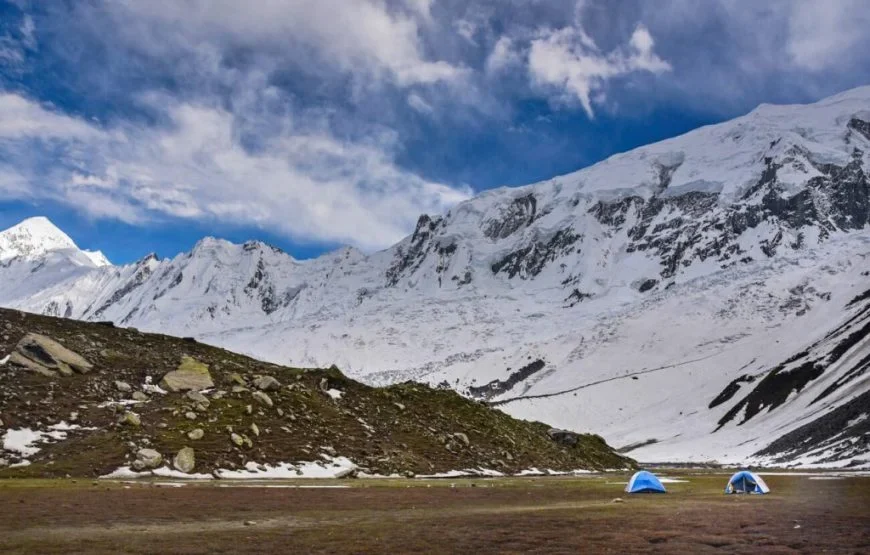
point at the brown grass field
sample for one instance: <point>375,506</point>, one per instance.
<point>509,515</point>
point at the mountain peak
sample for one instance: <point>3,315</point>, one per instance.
<point>33,237</point>
<point>37,236</point>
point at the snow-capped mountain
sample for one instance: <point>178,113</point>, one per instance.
<point>699,298</point>
<point>36,237</point>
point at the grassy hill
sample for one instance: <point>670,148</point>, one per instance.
<point>136,391</point>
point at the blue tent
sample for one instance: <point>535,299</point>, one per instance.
<point>746,482</point>
<point>644,482</point>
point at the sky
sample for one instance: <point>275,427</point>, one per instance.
<point>141,127</point>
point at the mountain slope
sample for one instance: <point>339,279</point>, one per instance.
<point>624,298</point>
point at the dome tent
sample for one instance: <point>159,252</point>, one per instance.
<point>746,482</point>
<point>644,482</point>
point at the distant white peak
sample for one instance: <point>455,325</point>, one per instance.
<point>98,258</point>
<point>33,237</point>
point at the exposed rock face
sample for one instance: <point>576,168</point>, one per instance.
<point>185,460</point>
<point>190,375</point>
<point>48,357</point>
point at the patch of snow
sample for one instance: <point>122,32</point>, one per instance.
<point>334,467</point>
<point>23,441</point>
<point>121,403</point>
<point>5,359</point>
<point>126,472</point>
<point>334,393</point>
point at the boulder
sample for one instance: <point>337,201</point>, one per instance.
<point>123,387</point>
<point>46,354</point>
<point>263,398</point>
<point>185,460</point>
<point>149,458</point>
<point>565,437</point>
<point>191,375</point>
<point>190,415</point>
<point>267,383</point>
<point>131,419</point>
<point>139,396</point>
<point>237,440</point>
<point>195,434</point>
<point>18,359</point>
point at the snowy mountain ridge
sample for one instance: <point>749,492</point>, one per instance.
<point>624,298</point>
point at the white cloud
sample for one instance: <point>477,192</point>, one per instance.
<point>503,56</point>
<point>568,61</point>
<point>361,37</point>
<point>302,182</point>
<point>821,31</point>
<point>418,103</point>
<point>20,119</point>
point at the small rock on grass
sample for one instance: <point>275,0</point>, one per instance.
<point>195,434</point>
<point>131,419</point>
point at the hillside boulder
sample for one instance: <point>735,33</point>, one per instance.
<point>565,437</point>
<point>191,375</point>
<point>48,357</point>
<point>267,383</point>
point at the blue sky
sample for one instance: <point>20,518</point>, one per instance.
<point>142,126</point>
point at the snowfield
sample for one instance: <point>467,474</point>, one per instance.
<point>699,299</point>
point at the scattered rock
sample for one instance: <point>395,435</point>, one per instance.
<point>190,415</point>
<point>139,396</point>
<point>123,387</point>
<point>196,434</point>
<point>267,383</point>
<point>237,379</point>
<point>463,438</point>
<point>185,460</point>
<point>618,500</point>
<point>149,458</point>
<point>400,406</point>
<point>237,440</point>
<point>249,409</point>
<point>131,419</point>
<point>198,398</point>
<point>263,398</point>
<point>191,375</point>
<point>255,430</point>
